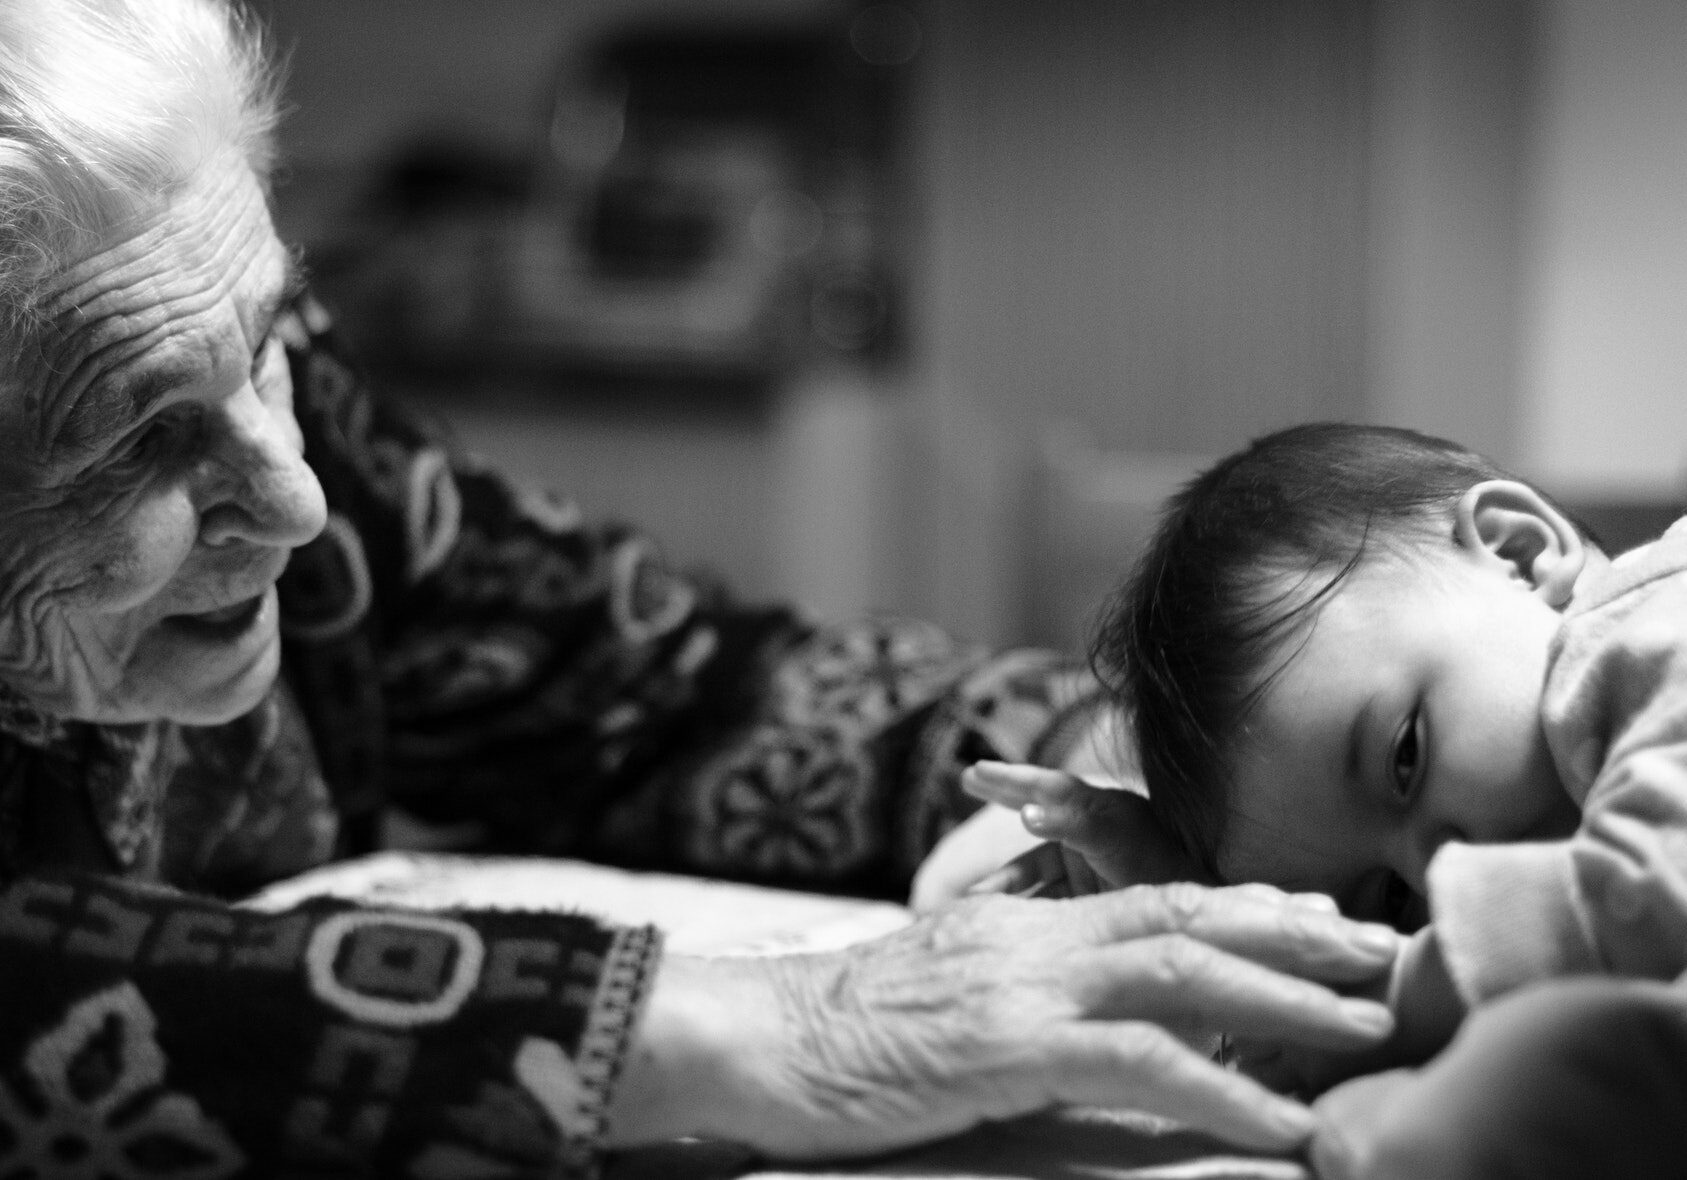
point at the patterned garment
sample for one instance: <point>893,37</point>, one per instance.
<point>474,657</point>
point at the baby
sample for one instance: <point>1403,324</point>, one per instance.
<point>1367,663</point>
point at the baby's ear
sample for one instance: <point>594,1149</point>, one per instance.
<point>1510,522</point>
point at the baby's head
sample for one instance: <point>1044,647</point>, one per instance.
<point>1333,651</point>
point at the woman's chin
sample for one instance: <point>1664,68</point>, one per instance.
<point>215,671</point>
<point>185,677</point>
<point>230,699</point>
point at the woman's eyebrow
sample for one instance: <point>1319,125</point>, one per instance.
<point>140,391</point>
<point>271,307</point>
<point>110,405</point>
<point>113,403</point>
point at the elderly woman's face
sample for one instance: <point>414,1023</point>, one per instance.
<point>151,482</point>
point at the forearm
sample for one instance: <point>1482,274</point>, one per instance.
<point>696,1064</point>
<point>752,1050</point>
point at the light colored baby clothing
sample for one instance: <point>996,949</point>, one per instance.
<point>1612,898</point>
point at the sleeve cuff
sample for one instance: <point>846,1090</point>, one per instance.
<point>629,968</point>
<point>1505,915</point>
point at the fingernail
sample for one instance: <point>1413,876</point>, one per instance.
<point>1035,817</point>
<point>1295,1123</point>
<point>1382,942</point>
<point>1367,1016</point>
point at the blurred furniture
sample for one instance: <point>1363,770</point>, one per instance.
<point>1092,513</point>
<point>700,199</point>
<point>1622,524</point>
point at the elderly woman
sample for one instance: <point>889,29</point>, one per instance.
<point>244,608</point>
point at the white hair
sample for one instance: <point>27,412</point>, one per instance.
<point>108,108</point>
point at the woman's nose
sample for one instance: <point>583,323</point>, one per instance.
<point>258,487</point>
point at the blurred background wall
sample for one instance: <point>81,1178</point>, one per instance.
<point>922,306</point>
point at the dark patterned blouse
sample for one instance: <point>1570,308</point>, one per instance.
<point>475,656</point>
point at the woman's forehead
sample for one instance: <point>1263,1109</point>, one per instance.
<point>218,222</point>
<point>144,310</point>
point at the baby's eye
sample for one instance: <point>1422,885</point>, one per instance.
<point>1403,763</point>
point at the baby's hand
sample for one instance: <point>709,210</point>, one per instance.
<point>1100,836</point>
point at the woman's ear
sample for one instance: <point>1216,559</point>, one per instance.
<point>1510,522</point>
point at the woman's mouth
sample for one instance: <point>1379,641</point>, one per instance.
<point>225,622</point>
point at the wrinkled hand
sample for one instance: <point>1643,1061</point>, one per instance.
<point>1098,837</point>
<point>996,1007</point>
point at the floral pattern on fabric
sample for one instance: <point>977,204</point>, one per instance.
<point>788,803</point>
<point>92,1102</point>
<point>870,673</point>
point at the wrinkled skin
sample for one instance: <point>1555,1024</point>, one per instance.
<point>998,1006</point>
<point>151,478</point>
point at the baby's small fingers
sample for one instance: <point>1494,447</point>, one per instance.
<point>1051,821</point>
<point>1010,878</point>
<point>1010,784</point>
<point>1041,872</point>
<point>1081,875</point>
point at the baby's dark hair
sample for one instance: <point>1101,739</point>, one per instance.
<point>1243,555</point>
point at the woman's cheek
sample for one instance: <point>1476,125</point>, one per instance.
<point>125,552</point>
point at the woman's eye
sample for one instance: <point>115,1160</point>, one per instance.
<point>1403,764</point>
<point>163,439</point>
<point>266,353</point>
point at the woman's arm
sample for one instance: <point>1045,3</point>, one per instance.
<point>480,654</point>
<point>995,1008</point>
<point>150,1031</point>
<point>362,1041</point>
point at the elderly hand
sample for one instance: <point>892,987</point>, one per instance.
<point>996,1007</point>
<point>1096,837</point>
